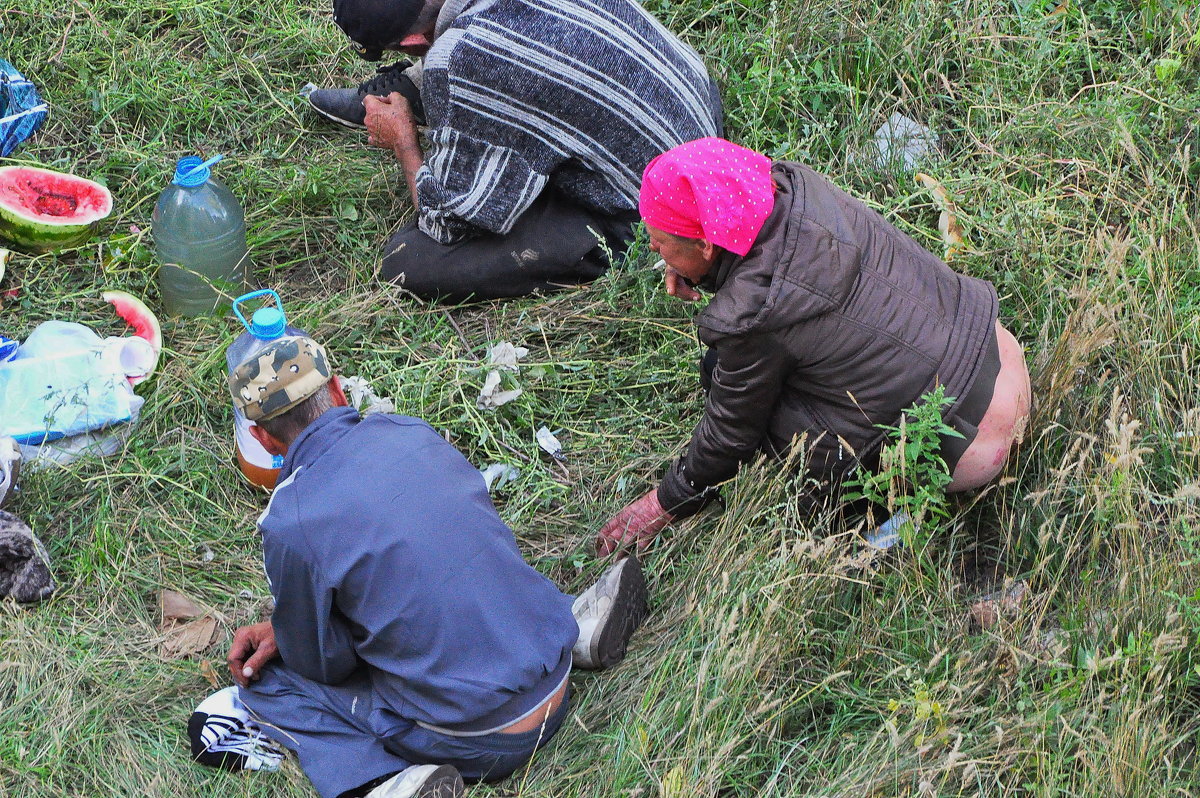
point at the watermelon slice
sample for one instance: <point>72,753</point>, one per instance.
<point>41,211</point>
<point>144,323</point>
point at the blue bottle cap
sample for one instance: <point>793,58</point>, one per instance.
<point>266,327</point>
<point>186,173</point>
<point>267,323</point>
<point>191,171</point>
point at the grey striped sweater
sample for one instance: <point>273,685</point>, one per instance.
<point>575,94</point>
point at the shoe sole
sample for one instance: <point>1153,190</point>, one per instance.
<point>630,607</point>
<point>339,120</point>
<point>445,782</point>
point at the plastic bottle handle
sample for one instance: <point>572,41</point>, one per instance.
<point>255,295</point>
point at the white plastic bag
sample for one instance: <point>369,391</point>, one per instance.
<point>65,381</point>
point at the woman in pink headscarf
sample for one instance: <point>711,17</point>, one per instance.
<point>825,322</point>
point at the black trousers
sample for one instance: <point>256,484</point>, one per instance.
<point>554,244</point>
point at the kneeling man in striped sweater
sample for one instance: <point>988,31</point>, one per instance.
<point>540,116</point>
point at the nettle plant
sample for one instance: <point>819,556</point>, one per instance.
<point>912,476</point>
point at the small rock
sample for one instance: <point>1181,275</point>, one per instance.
<point>988,610</point>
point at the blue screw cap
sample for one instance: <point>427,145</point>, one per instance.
<point>267,324</point>
<point>187,174</point>
<point>266,327</point>
<point>190,171</point>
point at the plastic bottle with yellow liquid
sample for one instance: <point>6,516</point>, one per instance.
<point>266,324</point>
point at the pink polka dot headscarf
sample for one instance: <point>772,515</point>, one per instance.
<point>711,189</point>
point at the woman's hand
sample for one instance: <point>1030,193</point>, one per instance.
<point>639,523</point>
<point>678,286</point>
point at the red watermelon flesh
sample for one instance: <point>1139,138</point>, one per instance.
<point>41,210</point>
<point>55,204</point>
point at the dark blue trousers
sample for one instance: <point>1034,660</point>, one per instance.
<point>334,731</point>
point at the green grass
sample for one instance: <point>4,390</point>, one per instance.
<point>773,664</point>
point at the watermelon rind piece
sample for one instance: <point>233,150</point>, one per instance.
<point>73,206</point>
<point>143,321</point>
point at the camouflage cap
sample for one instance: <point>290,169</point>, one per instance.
<point>281,376</point>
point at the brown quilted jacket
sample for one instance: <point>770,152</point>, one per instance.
<point>833,323</point>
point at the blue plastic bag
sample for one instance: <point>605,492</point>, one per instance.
<point>21,108</point>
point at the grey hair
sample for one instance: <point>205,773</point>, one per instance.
<point>287,427</point>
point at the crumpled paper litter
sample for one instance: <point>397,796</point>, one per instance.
<point>491,397</point>
<point>187,630</point>
<point>497,475</point>
<point>501,357</point>
<point>363,397</point>
<point>903,141</point>
<point>550,445</point>
<point>505,355</point>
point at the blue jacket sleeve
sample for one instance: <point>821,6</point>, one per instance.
<point>313,636</point>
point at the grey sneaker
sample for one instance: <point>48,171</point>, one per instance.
<point>608,613</point>
<point>345,106</point>
<point>422,781</point>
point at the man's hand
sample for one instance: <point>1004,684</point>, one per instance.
<point>389,121</point>
<point>253,647</point>
<point>390,125</point>
<point>638,523</point>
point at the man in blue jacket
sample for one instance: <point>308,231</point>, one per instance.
<point>411,646</point>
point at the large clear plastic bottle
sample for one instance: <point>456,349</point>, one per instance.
<point>200,238</point>
<point>267,324</point>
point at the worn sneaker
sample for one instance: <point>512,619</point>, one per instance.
<point>421,781</point>
<point>345,106</point>
<point>608,613</point>
<point>10,468</point>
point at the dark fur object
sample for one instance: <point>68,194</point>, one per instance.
<point>24,564</point>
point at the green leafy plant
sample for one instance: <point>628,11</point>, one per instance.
<point>927,715</point>
<point>912,476</point>
<point>1166,68</point>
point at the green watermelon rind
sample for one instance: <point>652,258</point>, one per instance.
<point>38,238</point>
<point>35,236</point>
